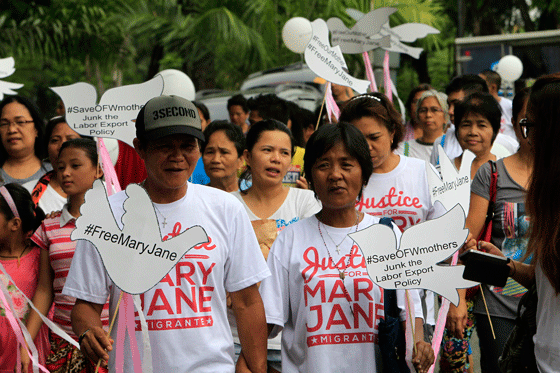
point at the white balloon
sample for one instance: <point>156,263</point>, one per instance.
<point>510,68</point>
<point>296,34</point>
<point>177,83</point>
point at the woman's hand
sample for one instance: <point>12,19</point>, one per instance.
<point>25,360</point>
<point>424,356</point>
<point>490,248</point>
<point>302,183</point>
<point>457,318</point>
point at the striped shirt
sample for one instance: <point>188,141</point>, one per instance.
<point>54,235</point>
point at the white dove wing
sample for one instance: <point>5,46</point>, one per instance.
<point>355,14</point>
<point>87,96</point>
<point>6,88</point>
<point>410,32</point>
<point>95,210</point>
<point>7,66</point>
<point>139,216</point>
<point>372,22</point>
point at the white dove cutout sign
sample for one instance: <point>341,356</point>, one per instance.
<point>413,264</point>
<point>364,35</point>
<point>116,111</point>
<point>408,32</point>
<point>328,62</point>
<point>135,257</point>
<point>451,187</point>
<point>7,68</point>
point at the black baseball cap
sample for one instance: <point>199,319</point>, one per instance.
<point>168,115</point>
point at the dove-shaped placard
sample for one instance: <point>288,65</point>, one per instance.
<point>7,68</point>
<point>413,264</point>
<point>362,36</point>
<point>407,32</point>
<point>452,187</point>
<point>115,113</point>
<point>135,257</point>
<point>328,62</point>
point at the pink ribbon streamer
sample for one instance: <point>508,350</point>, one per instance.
<point>387,77</point>
<point>126,314</point>
<point>332,107</point>
<point>111,178</point>
<point>441,319</point>
<point>126,320</point>
<point>17,325</point>
<point>369,72</point>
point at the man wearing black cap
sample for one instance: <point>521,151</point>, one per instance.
<point>186,311</point>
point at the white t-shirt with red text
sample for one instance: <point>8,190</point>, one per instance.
<point>401,194</point>
<point>186,310</point>
<point>324,330</point>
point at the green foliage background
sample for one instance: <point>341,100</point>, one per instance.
<point>216,42</point>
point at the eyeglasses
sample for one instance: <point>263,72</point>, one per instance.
<point>524,125</point>
<point>18,123</point>
<point>433,110</point>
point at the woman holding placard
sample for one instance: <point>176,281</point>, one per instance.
<point>77,169</point>
<point>21,135</point>
<point>540,128</point>
<point>319,293</point>
<point>509,227</point>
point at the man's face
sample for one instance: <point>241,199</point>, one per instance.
<point>170,160</point>
<point>453,99</point>
<point>254,117</point>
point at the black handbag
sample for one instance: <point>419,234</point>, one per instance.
<point>518,355</point>
<point>392,342</point>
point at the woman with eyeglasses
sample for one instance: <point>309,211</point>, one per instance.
<point>22,145</point>
<point>433,116</point>
<point>398,185</point>
<point>509,228</point>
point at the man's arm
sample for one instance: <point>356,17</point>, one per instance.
<point>86,319</point>
<point>251,325</point>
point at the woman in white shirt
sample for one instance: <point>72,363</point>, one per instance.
<point>320,293</point>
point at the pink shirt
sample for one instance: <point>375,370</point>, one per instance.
<point>54,235</point>
<point>25,276</point>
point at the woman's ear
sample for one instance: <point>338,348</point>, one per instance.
<point>247,157</point>
<point>14,224</point>
<point>99,172</point>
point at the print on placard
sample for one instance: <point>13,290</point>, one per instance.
<point>116,111</point>
<point>364,35</point>
<point>413,264</point>
<point>328,62</point>
<point>135,257</point>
